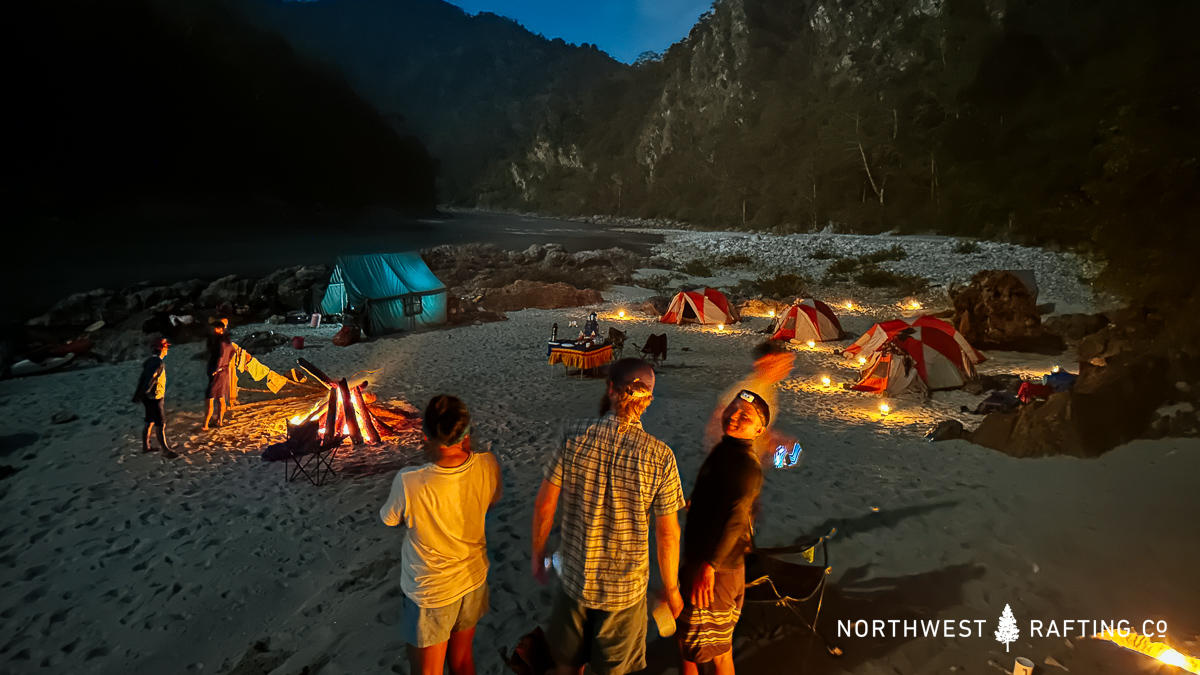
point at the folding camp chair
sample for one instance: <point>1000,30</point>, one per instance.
<point>655,348</point>
<point>309,457</point>
<point>617,339</point>
<point>789,576</point>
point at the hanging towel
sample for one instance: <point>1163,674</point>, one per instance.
<point>275,381</point>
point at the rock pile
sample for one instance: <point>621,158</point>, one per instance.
<point>1136,380</point>
<point>536,295</point>
<point>996,310</point>
<point>471,268</point>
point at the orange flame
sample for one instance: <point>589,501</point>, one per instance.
<point>1155,650</point>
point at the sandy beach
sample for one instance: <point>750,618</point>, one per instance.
<point>114,561</point>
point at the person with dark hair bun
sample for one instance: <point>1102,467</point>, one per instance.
<point>443,560</point>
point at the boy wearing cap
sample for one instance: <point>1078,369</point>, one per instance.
<point>151,390</point>
<point>717,536</point>
<point>444,560</point>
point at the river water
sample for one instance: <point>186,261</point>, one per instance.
<point>177,253</point>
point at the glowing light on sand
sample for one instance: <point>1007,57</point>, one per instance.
<point>720,326</point>
<point>913,304</point>
<point>771,313</point>
<point>885,409</point>
<point>811,344</point>
<point>849,304</point>
<point>1155,650</point>
<point>621,314</point>
<point>825,380</point>
<point>862,360</point>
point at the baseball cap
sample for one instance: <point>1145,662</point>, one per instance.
<point>629,370</point>
<point>759,403</point>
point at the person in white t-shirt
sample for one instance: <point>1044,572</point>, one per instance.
<point>444,560</point>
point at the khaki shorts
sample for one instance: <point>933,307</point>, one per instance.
<point>612,643</point>
<point>425,627</point>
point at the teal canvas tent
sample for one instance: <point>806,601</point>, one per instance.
<point>393,291</point>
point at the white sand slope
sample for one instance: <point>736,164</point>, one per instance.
<point>116,562</point>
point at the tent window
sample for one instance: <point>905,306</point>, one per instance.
<point>412,305</point>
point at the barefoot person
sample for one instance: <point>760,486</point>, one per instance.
<point>221,352</point>
<point>151,390</point>
<point>611,476</point>
<point>444,561</point>
<point>717,537</point>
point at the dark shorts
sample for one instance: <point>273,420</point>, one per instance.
<point>707,633</point>
<point>612,643</point>
<point>154,410</point>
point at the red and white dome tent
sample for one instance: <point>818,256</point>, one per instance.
<point>872,340</point>
<point>807,319</point>
<point>705,306</point>
<point>919,357</point>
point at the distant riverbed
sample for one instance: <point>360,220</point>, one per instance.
<point>177,253</point>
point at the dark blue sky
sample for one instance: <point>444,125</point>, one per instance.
<point>623,28</point>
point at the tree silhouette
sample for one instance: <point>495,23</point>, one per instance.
<point>1007,631</point>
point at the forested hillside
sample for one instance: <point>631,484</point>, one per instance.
<point>1071,122</point>
<point>472,88</point>
<point>127,100</point>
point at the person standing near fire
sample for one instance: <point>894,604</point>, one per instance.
<point>443,560</point>
<point>221,355</point>
<point>150,392</point>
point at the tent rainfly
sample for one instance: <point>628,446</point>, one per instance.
<point>872,340</point>
<point>807,319</point>
<point>394,291</point>
<point>706,306</point>
<point>930,354</point>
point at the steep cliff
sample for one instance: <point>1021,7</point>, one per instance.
<point>1072,122</point>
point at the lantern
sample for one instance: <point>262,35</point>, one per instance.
<point>720,326</point>
<point>811,344</point>
<point>825,380</point>
<point>621,314</point>
<point>884,409</point>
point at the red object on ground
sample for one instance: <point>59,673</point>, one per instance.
<point>1030,391</point>
<point>347,336</point>
<point>298,342</point>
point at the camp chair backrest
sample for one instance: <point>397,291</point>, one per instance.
<point>656,346</point>
<point>616,337</point>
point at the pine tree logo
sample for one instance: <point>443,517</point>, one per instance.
<point>1007,631</point>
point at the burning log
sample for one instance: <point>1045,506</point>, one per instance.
<point>1155,650</point>
<point>344,412</point>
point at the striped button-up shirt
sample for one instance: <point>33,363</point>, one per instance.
<point>611,476</point>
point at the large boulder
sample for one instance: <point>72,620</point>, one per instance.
<point>228,290</point>
<point>82,309</point>
<point>998,311</point>
<point>1107,406</point>
<point>1075,327</point>
<point>536,295</point>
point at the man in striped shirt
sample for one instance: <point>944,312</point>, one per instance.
<point>610,475</point>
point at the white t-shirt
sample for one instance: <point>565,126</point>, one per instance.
<point>444,556</point>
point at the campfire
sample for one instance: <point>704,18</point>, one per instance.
<point>344,412</point>
<point>1161,651</point>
